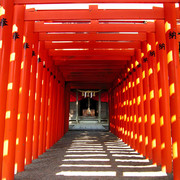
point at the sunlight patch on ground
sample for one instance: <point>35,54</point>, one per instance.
<point>84,151</point>
<point>123,155</point>
<point>132,160</point>
<point>87,173</point>
<point>136,166</point>
<point>84,155</point>
<point>144,174</point>
<point>86,160</point>
<point>84,165</point>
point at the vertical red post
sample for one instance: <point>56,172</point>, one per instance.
<point>116,110</point>
<point>13,93</point>
<point>112,110</point>
<point>5,48</point>
<point>140,101</point>
<point>50,105</point>
<point>146,98</point>
<point>46,108</point>
<point>43,105</point>
<point>63,108</point>
<point>31,109</point>
<point>136,126</point>
<point>109,103</point>
<point>174,82</point>
<point>128,105</point>
<point>58,110</point>
<point>164,100</point>
<point>54,107</point>
<point>119,111</point>
<point>154,99</point>
<point>124,110</point>
<point>24,96</point>
<point>39,74</point>
<point>131,108</point>
<point>67,104</point>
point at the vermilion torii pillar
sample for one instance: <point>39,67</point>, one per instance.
<point>124,110</point>
<point>136,126</point>
<point>38,98</point>
<point>119,110</point>
<point>174,82</point>
<point>154,99</point>
<point>6,15</point>
<point>24,96</point>
<point>140,101</point>
<point>131,108</point>
<point>13,93</point>
<point>31,105</point>
<point>54,107</point>
<point>146,97</point>
<point>58,108</point>
<point>162,70</point>
<point>128,106</point>
<point>50,105</point>
<point>43,105</point>
<point>46,108</point>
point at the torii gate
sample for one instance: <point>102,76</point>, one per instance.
<point>44,54</point>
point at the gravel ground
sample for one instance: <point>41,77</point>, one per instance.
<point>82,155</point>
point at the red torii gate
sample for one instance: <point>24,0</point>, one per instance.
<point>41,61</point>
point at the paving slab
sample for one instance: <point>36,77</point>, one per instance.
<point>91,155</point>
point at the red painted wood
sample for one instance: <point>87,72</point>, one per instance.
<point>109,14</point>
<point>92,53</point>
<point>174,83</point>
<point>43,104</point>
<point>90,1</point>
<point>38,103</point>
<point>91,37</point>
<point>147,113</point>
<point>100,45</point>
<point>23,97</point>
<point>44,27</point>
<point>164,100</point>
<point>13,94</point>
<point>154,99</point>
<point>5,39</point>
<point>140,101</point>
<point>31,109</point>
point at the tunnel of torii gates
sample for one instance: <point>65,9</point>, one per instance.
<point>45,53</point>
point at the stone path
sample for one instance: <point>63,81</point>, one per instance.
<point>88,127</point>
<point>91,155</point>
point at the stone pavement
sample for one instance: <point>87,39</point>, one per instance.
<point>91,155</point>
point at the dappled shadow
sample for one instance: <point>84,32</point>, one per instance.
<point>91,155</point>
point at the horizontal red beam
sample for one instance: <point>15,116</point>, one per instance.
<point>91,72</point>
<point>97,80</point>
<point>93,85</point>
<point>101,14</point>
<point>92,37</point>
<point>80,71</point>
<point>93,53</point>
<point>89,62</point>
<point>68,68</point>
<point>41,27</point>
<point>92,59</point>
<point>50,45</point>
<point>90,1</point>
<point>61,63</point>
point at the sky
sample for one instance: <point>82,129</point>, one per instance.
<point>100,6</point>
